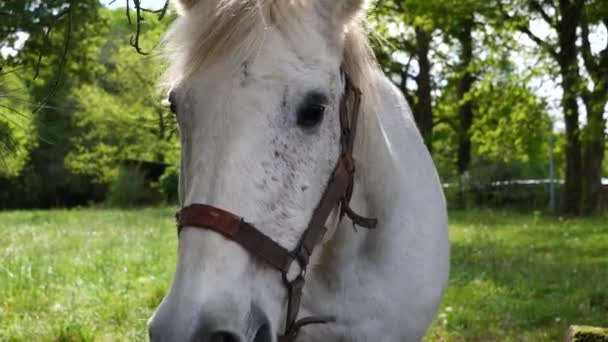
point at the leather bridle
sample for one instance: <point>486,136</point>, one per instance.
<point>337,194</point>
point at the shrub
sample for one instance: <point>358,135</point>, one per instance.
<point>168,183</point>
<point>129,189</point>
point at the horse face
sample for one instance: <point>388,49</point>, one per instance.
<point>259,139</point>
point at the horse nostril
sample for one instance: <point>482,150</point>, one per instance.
<point>222,336</point>
<point>263,334</point>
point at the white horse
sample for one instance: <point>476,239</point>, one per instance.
<point>256,87</point>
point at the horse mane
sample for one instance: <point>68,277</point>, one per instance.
<point>233,29</point>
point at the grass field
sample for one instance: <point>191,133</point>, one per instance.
<point>83,275</point>
<point>523,277</point>
<point>94,274</point>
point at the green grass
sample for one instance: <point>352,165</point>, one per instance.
<point>518,277</point>
<point>81,275</point>
<point>93,274</point>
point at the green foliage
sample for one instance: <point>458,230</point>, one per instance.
<point>64,65</point>
<point>128,189</point>
<point>16,126</point>
<point>98,104</point>
<point>127,121</point>
<point>512,124</point>
<point>169,183</point>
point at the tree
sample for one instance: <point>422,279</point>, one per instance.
<point>584,152</point>
<point>16,126</point>
<point>408,27</point>
<point>451,60</point>
<point>52,61</point>
<point>82,81</point>
<point>128,121</point>
<point>594,96</point>
<point>419,28</point>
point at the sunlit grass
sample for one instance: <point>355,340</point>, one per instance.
<point>93,274</point>
<point>84,274</point>
<point>522,277</point>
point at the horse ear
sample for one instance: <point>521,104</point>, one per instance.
<point>343,10</point>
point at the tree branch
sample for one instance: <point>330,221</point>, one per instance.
<point>551,4</point>
<point>42,51</point>
<point>538,8</point>
<point>411,99</point>
<point>407,45</point>
<point>603,63</point>
<point>597,66</point>
<point>525,29</point>
<point>540,42</point>
<point>406,70</point>
<point>588,59</point>
<point>66,49</point>
<point>45,43</point>
<point>134,41</point>
<point>138,20</point>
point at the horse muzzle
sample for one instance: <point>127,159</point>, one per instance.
<point>223,324</point>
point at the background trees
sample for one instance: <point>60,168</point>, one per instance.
<point>472,71</point>
<point>91,101</point>
<point>565,45</point>
<point>472,101</point>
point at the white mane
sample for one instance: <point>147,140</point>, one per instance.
<point>234,29</point>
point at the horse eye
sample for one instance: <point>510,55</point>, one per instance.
<point>173,102</point>
<point>310,115</point>
<point>311,111</point>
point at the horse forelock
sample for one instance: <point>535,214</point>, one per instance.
<point>234,29</point>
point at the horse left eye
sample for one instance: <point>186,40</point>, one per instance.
<point>311,110</point>
<point>310,115</point>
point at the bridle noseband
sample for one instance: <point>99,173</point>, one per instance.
<point>337,194</point>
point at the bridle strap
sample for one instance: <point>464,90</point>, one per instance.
<point>337,194</point>
<point>236,229</point>
<point>349,124</point>
<point>347,141</point>
<point>333,194</point>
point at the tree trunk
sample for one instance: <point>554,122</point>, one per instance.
<point>594,144</point>
<point>568,63</point>
<point>423,108</point>
<point>594,135</point>
<point>465,109</point>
